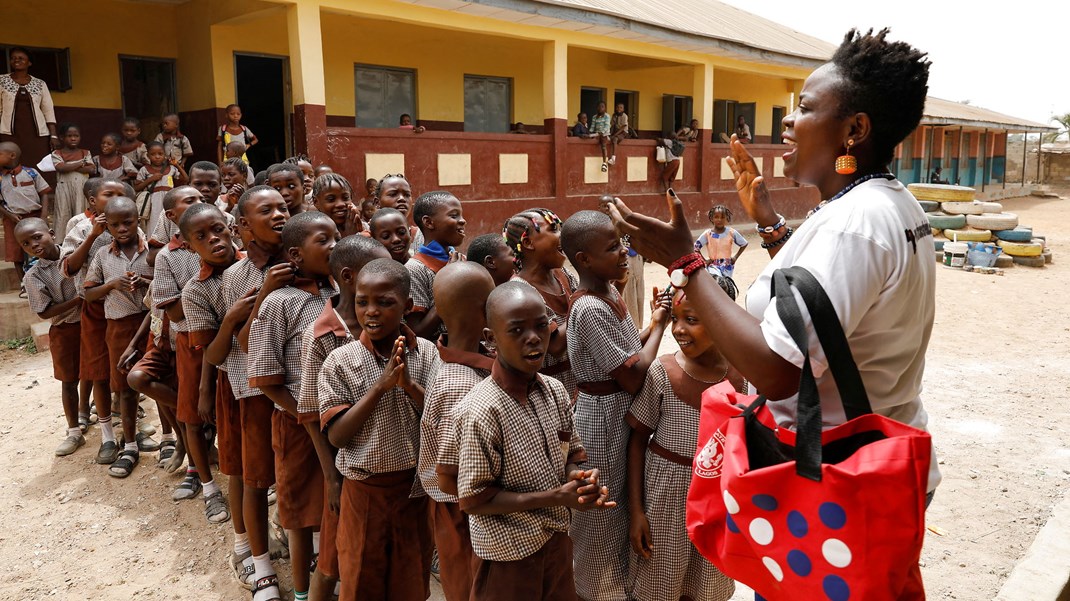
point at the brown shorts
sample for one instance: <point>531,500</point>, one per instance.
<point>120,333</point>
<point>328,561</point>
<point>257,456</point>
<point>92,363</point>
<point>158,364</point>
<point>298,474</point>
<point>64,342</point>
<point>545,574</point>
<point>384,540</point>
<point>228,426</point>
<point>188,367</point>
<point>456,561</point>
<point>12,251</point>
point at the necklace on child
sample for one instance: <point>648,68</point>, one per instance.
<point>681,364</point>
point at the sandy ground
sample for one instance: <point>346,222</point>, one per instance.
<point>996,383</point>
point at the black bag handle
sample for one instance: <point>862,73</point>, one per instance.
<point>837,352</point>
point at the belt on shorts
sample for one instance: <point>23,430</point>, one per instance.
<point>661,451</point>
<point>556,368</point>
<point>600,388</point>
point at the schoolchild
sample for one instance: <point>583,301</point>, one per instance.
<point>74,166</point>
<point>176,146</point>
<point>441,220</point>
<point>333,196</point>
<point>112,163</point>
<point>388,226</point>
<point>394,192</point>
<point>131,145</point>
<point>234,131</point>
<point>288,180</point>
<point>491,251</point>
<point>155,180</point>
<point>718,242</point>
<point>23,193</point>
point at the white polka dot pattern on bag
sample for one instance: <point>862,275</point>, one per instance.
<point>836,552</point>
<point>774,568</point>
<point>730,503</point>
<point>761,531</point>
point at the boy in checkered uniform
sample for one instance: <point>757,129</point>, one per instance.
<point>610,359</point>
<point>519,451</point>
<point>55,298</point>
<point>81,244</point>
<point>440,218</point>
<point>334,328</point>
<point>23,193</point>
<point>461,291</point>
<point>119,275</point>
<point>275,354</point>
<point>262,215</point>
<point>664,418</point>
<point>371,395</point>
<point>210,324</point>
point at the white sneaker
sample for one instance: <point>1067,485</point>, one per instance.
<point>613,160</point>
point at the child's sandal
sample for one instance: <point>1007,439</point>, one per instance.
<point>215,508</point>
<point>190,486</point>
<point>269,585</point>
<point>167,450</point>
<point>124,465</point>
<point>243,569</point>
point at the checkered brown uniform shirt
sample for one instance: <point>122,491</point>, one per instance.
<point>438,434</point>
<point>389,440</point>
<point>45,286</point>
<point>75,237</point>
<point>202,302</point>
<point>519,447</point>
<point>423,280</point>
<point>316,348</point>
<point>175,267</point>
<point>110,263</point>
<point>238,280</point>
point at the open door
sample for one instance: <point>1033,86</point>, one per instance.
<point>148,90</point>
<point>261,83</point>
<point>675,113</point>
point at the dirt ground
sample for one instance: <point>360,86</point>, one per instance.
<point>996,385</point>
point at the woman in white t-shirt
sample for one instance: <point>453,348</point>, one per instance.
<point>868,242</point>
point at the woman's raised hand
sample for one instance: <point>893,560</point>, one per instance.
<point>750,184</point>
<point>655,239</point>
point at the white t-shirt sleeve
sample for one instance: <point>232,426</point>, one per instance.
<point>853,270</point>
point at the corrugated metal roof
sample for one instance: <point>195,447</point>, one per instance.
<point>939,111</point>
<point>712,19</point>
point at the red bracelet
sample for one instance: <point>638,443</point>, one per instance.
<point>685,260</point>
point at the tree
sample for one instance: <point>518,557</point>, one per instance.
<point>1064,127</point>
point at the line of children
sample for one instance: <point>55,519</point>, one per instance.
<point>441,221</point>
<point>23,193</point>
<point>73,167</point>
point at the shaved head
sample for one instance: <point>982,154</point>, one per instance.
<point>461,290</point>
<point>120,205</point>
<point>580,229</point>
<point>509,297</point>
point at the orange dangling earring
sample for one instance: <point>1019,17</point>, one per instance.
<point>846,164</point>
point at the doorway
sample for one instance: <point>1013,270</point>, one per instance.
<point>148,91</point>
<point>589,99</point>
<point>262,88</point>
<point>630,100</point>
<point>676,112</point>
<point>778,125</point>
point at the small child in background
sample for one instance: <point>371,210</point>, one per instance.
<point>55,298</point>
<point>333,196</point>
<point>23,193</point>
<point>441,219</point>
<point>718,241</point>
<point>664,418</point>
<point>156,179</point>
<point>131,145</point>
<point>323,170</point>
<point>236,150</point>
<point>234,131</point>
<point>74,166</point>
<point>234,172</point>
<point>370,186</point>
<point>389,228</point>
<point>609,358</point>
<point>112,163</point>
<point>490,251</point>
<point>368,207</point>
<point>176,146</point>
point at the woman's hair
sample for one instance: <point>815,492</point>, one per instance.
<point>14,49</point>
<point>379,186</point>
<point>520,226</point>
<point>886,80</point>
<point>327,180</point>
<point>65,127</point>
<point>720,209</point>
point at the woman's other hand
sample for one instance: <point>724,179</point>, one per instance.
<point>659,241</point>
<point>750,184</point>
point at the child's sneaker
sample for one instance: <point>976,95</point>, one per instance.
<point>605,167</point>
<point>70,445</point>
<point>613,160</point>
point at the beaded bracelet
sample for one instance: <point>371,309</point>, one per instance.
<point>778,241</point>
<point>686,260</point>
<point>769,229</point>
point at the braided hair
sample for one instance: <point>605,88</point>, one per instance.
<point>379,184</point>
<point>297,158</point>
<point>886,80</point>
<point>327,180</point>
<point>237,164</point>
<point>722,210</point>
<point>524,224</point>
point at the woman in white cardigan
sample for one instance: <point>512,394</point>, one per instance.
<point>26,114</point>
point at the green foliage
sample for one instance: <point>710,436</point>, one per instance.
<point>26,344</point>
<point>1064,127</point>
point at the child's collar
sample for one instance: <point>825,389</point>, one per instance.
<point>514,383</point>
<point>410,341</point>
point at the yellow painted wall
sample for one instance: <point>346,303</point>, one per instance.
<point>260,32</point>
<point>441,59</point>
<point>97,33</point>
<point>597,69</point>
<point>766,92</point>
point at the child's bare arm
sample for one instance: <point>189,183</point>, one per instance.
<point>639,526</point>
<point>175,312</point>
<point>281,396</point>
<point>238,314</point>
<point>98,292</point>
<point>325,453</point>
<point>60,308</point>
<point>631,377</point>
<point>206,392</point>
<point>46,206</point>
<point>581,493</point>
<point>183,177</point>
<point>346,426</point>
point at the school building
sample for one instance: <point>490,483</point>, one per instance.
<point>331,77</point>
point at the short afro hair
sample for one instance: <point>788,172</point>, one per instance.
<point>578,231</point>
<point>186,221</point>
<point>31,224</point>
<point>286,168</point>
<point>243,201</point>
<point>886,80</point>
<point>383,213</point>
<point>391,269</point>
<point>94,184</point>
<point>484,246</point>
<point>121,205</point>
<point>298,227</point>
<point>204,166</point>
<point>428,203</point>
<point>355,252</point>
<point>171,197</point>
<point>505,296</point>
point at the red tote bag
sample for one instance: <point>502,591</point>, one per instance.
<point>808,515</point>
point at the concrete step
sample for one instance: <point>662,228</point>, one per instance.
<point>9,278</point>
<point>15,316</point>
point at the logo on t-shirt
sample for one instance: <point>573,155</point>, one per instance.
<point>918,233</point>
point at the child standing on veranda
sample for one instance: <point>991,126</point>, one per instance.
<point>23,193</point>
<point>664,418</point>
<point>111,163</point>
<point>176,146</point>
<point>610,358</point>
<point>131,145</point>
<point>718,241</point>
<point>234,131</point>
<point>156,179</point>
<point>74,165</point>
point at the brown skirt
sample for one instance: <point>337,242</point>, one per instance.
<point>64,342</point>
<point>228,426</point>
<point>545,575</point>
<point>384,540</point>
<point>188,367</point>
<point>328,561</point>
<point>298,474</point>
<point>92,363</point>
<point>257,454</point>
<point>456,561</point>
<point>12,251</point>
<point>120,332</point>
